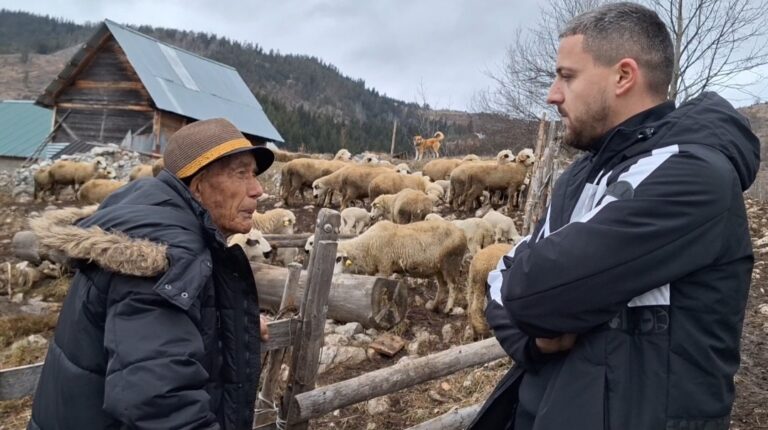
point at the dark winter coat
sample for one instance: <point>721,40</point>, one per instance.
<point>160,329</point>
<point>645,254</point>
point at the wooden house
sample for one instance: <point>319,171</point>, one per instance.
<point>125,87</point>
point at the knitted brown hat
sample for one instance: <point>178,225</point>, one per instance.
<point>196,145</point>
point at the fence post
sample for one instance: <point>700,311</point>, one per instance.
<point>275,358</point>
<point>309,339</point>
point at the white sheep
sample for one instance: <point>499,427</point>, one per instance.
<point>402,208</point>
<point>277,221</point>
<point>354,220</point>
<point>479,233</point>
<point>484,261</point>
<point>503,227</point>
<point>65,172</point>
<point>256,248</point>
<point>403,169</point>
<point>423,249</point>
<point>96,190</point>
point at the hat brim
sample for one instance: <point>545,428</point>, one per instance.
<point>264,156</point>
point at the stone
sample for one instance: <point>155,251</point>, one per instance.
<point>349,329</point>
<point>378,405</point>
<point>361,339</point>
<point>457,311</point>
<point>388,344</point>
<point>335,339</point>
<point>447,332</point>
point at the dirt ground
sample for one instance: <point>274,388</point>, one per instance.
<point>408,407</point>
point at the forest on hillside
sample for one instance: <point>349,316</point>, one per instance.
<point>314,106</point>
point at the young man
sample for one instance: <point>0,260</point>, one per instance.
<point>624,308</point>
<point>160,329</point>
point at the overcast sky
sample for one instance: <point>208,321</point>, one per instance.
<point>396,46</point>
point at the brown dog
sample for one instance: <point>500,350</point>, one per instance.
<point>432,144</point>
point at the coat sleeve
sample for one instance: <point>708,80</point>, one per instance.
<point>155,379</point>
<point>663,218</point>
<point>516,343</point>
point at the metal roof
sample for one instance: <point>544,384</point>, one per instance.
<point>23,126</point>
<point>179,81</point>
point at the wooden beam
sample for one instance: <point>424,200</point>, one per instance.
<point>318,402</point>
<point>295,240</point>
<point>309,341</point>
<point>458,419</point>
<point>99,106</point>
<point>109,85</point>
<point>378,303</point>
<point>21,381</point>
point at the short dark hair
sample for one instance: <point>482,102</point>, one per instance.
<point>627,30</point>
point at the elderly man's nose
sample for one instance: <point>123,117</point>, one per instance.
<point>255,189</point>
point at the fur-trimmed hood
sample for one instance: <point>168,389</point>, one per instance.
<point>114,251</point>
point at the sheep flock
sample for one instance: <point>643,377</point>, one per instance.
<point>444,221</point>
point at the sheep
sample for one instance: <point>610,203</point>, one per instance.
<point>411,206</point>
<point>506,177</point>
<point>479,233</point>
<point>277,221</point>
<point>440,168</point>
<point>158,166</point>
<point>256,248</point>
<point>423,249</point>
<point>405,207</point>
<point>17,275</point>
<point>343,155</point>
<point>503,227</point>
<point>309,244</point>
<point>351,181</point>
<point>381,207</point>
<point>66,172</point>
<point>354,220</point>
<point>299,174</point>
<point>140,171</point>
<point>274,221</point>
<point>392,182</point>
<point>458,176</point>
<point>435,192</point>
<point>96,190</point>
<point>403,169</point>
<point>43,182</point>
<point>483,262</point>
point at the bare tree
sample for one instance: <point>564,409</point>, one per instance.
<point>714,40</point>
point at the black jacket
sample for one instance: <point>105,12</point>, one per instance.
<point>645,254</point>
<point>160,329</point>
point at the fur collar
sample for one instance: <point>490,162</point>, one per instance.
<point>113,251</point>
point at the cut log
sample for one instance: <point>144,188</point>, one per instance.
<point>378,303</point>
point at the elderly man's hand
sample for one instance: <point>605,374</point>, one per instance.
<point>264,328</point>
<point>557,344</point>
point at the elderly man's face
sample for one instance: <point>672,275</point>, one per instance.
<point>228,188</point>
<point>581,92</point>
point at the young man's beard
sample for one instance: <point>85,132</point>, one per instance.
<point>590,126</point>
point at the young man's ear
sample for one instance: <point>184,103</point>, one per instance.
<point>627,75</point>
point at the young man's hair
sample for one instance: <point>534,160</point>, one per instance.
<point>627,30</point>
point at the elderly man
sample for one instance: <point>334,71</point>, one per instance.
<point>623,309</point>
<point>160,329</point>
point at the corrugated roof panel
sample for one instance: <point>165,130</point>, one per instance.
<point>23,126</point>
<point>195,86</point>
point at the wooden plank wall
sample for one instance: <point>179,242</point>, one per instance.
<point>105,98</point>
